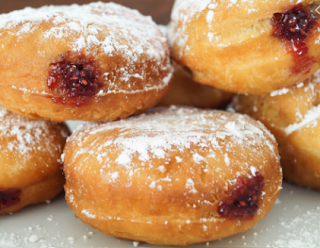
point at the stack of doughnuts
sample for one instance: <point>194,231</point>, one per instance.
<point>92,62</point>
<point>269,51</point>
<point>173,175</point>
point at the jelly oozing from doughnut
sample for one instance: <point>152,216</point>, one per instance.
<point>91,62</point>
<point>294,23</point>
<point>243,200</point>
<point>292,27</point>
<point>174,175</point>
<point>74,76</point>
<point>9,197</point>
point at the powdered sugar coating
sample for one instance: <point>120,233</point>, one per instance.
<point>112,29</point>
<point>311,117</point>
<point>170,166</point>
<point>185,10</point>
<point>217,12</point>
<point>23,140</point>
<point>27,133</point>
<point>152,136</point>
<point>297,107</point>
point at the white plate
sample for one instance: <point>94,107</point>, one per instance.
<point>293,222</point>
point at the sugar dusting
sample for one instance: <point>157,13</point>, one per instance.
<point>293,222</point>
<point>280,92</point>
<point>186,11</point>
<point>174,128</point>
<point>136,243</point>
<point>148,144</point>
<point>22,137</point>
<point>285,226</point>
<point>284,91</point>
<point>304,107</point>
<point>311,117</point>
<point>115,30</point>
<point>300,237</point>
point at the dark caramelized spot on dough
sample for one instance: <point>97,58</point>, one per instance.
<point>243,200</point>
<point>292,27</point>
<point>9,197</point>
<point>74,77</point>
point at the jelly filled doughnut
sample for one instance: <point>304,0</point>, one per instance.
<point>253,47</point>
<point>293,116</point>
<point>94,62</point>
<point>172,176</point>
<point>30,164</point>
<point>185,91</point>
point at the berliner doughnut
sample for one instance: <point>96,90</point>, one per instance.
<point>185,91</point>
<point>172,176</point>
<point>293,116</point>
<point>30,164</point>
<point>252,47</point>
<point>94,62</point>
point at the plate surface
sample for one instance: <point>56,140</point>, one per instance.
<point>293,222</point>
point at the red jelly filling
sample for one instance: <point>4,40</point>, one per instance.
<point>74,77</point>
<point>292,27</point>
<point>9,198</point>
<point>243,200</point>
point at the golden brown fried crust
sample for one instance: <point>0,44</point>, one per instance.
<point>38,192</point>
<point>168,200</point>
<point>120,105</point>
<point>185,91</point>
<point>130,81</point>
<point>30,159</point>
<point>299,149</point>
<point>236,51</point>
